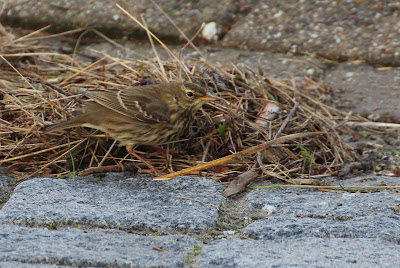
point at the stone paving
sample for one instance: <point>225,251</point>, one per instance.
<point>126,203</point>
<point>125,220</point>
<point>128,220</point>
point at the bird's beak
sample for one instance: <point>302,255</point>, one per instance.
<point>208,98</point>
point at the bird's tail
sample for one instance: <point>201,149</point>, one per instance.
<point>62,125</point>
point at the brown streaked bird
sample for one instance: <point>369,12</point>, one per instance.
<point>140,115</point>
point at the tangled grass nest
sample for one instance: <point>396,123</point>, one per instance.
<point>40,86</point>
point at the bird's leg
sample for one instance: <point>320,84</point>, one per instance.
<point>129,149</point>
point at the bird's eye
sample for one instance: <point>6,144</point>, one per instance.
<point>189,94</point>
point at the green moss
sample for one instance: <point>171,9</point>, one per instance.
<point>192,254</point>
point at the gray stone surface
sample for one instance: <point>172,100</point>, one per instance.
<point>302,252</point>
<point>339,30</point>
<point>310,213</point>
<point>117,201</point>
<point>366,90</point>
<point>272,64</point>
<point>302,227</point>
<point>281,228</point>
<point>14,264</point>
<point>91,248</point>
<point>5,187</point>
<point>105,16</point>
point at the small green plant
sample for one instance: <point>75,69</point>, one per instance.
<point>73,165</point>
<point>159,233</point>
<point>69,173</point>
<point>365,136</point>
<point>239,77</point>
<point>270,96</point>
<point>378,168</point>
<point>192,254</point>
<point>306,154</point>
<point>228,202</point>
<point>51,225</point>
<point>254,85</point>
<point>256,218</point>
<point>222,130</point>
<point>220,225</point>
<point>246,222</point>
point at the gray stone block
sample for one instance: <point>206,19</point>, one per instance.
<point>117,201</point>
<point>14,264</point>
<point>341,30</point>
<point>310,213</point>
<point>302,252</point>
<point>91,248</point>
<point>106,16</point>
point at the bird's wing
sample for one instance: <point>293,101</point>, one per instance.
<point>134,102</point>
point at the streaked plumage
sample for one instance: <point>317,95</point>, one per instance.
<point>140,115</point>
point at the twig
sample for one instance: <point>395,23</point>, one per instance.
<point>82,71</point>
<point>117,60</point>
<point>48,36</point>
<point>98,33</point>
<point>284,124</point>
<point>107,153</point>
<point>371,124</point>
<point>360,188</point>
<point>79,142</point>
<point>159,249</point>
<point>35,153</point>
<point>238,155</point>
<point>155,50</point>
<point>179,30</point>
<point>186,70</point>
<point>23,38</point>
<point>240,183</point>
<point>190,42</point>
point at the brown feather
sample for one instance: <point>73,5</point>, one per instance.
<point>140,115</point>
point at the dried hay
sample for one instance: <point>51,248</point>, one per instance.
<point>40,86</point>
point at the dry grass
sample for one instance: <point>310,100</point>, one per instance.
<point>40,86</point>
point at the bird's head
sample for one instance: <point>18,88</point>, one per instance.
<point>192,96</point>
